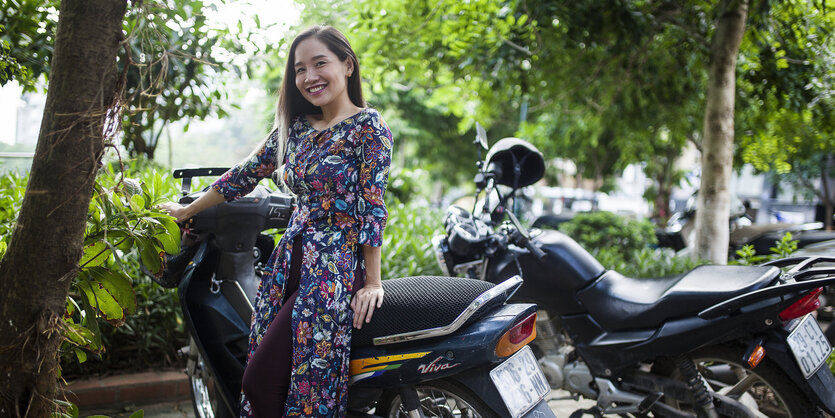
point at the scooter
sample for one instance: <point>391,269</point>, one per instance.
<point>715,341</point>
<point>436,347</point>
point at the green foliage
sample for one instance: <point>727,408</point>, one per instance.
<point>123,230</point>
<point>28,29</point>
<point>175,61</point>
<point>12,188</point>
<point>596,230</point>
<point>625,245</point>
<point>122,227</point>
<point>645,262</point>
<point>783,248</point>
<point>10,69</point>
<point>174,72</point>
<point>407,184</point>
<point>831,360</point>
<point>407,245</point>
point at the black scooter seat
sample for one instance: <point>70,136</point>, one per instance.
<point>620,303</point>
<point>419,303</point>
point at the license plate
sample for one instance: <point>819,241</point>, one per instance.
<point>809,346</point>
<point>520,382</point>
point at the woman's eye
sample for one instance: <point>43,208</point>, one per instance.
<point>299,70</point>
<point>320,63</point>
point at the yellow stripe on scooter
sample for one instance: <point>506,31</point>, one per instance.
<point>371,364</point>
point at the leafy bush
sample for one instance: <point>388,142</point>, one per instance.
<point>783,248</point>
<point>122,228</point>
<point>645,262</point>
<point>625,245</point>
<point>407,245</point>
<point>12,188</point>
<point>597,230</point>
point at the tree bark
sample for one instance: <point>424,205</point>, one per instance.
<point>45,247</point>
<point>826,192</point>
<point>713,207</point>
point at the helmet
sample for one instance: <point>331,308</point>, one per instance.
<point>515,163</point>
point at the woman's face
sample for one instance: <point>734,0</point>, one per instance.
<point>320,76</point>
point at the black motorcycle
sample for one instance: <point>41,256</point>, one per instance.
<point>437,347</point>
<point>715,341</point>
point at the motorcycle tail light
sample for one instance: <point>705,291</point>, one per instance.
<point>516,337</point>
<point>804,305</point>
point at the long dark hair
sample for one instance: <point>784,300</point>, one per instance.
<point>291,103</point>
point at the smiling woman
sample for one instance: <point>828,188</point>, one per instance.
<point>325,273</point>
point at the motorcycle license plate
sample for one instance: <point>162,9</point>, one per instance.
<point>809,346</point>
<point>520,382</point>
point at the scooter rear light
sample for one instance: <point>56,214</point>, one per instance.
<point>804,305</point>
<point>517,337</point>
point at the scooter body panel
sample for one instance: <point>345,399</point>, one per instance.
<point>219,332</point>
<point>401,364</point>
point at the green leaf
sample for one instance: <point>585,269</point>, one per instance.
<point>170,244</point>
<point>137,202</point>
<point>95,254</point>
<point>151,256</point>
<point>110,293</point>
<point>138,414</point>
<point>81,354</point>
<point>89,319</point>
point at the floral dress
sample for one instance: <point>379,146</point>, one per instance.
<point>339,176</point>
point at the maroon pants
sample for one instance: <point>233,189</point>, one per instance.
<point>266,379</point>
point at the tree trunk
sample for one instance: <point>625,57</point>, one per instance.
<point>45,247</point>
<point>713,207</point>
<point>827,197</point>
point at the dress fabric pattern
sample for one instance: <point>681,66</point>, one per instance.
<point>339,176</point>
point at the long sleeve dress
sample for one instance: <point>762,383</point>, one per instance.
<point>339,176</point>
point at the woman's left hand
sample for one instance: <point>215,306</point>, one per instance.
<point>364,302</point>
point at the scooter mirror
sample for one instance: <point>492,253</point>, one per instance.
<point>480,135</point>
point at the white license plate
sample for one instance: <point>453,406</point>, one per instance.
<point>809,346</point>
<point>520,382</point>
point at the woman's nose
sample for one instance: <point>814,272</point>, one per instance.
<point>311,75</point>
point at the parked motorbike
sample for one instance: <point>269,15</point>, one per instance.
<point>715,341</point>
<point>436,347</point>
<point>679,232</point>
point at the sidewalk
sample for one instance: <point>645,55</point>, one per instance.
<point>125,391</point>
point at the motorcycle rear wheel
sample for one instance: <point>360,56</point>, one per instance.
<point>205,390</point>
<point>440,398</point>
<point>775,394</point>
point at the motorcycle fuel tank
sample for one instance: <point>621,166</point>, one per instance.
<point>553,280</point>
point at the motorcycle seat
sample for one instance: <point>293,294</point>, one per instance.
<point>620,303</point>
<point>419,303</point>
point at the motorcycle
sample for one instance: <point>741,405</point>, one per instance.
<point>715,341</point>
<point>436,347</point>
<point>679,233</point>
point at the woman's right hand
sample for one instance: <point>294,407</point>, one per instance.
<point>183,213</point>
<point>176,210</point>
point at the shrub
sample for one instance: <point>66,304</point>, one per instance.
<point>625,245</point>
<point>597,230</point>
<point>407,245</point>
<point>12,188</point>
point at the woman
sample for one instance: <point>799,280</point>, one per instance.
<point>336,154</point>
